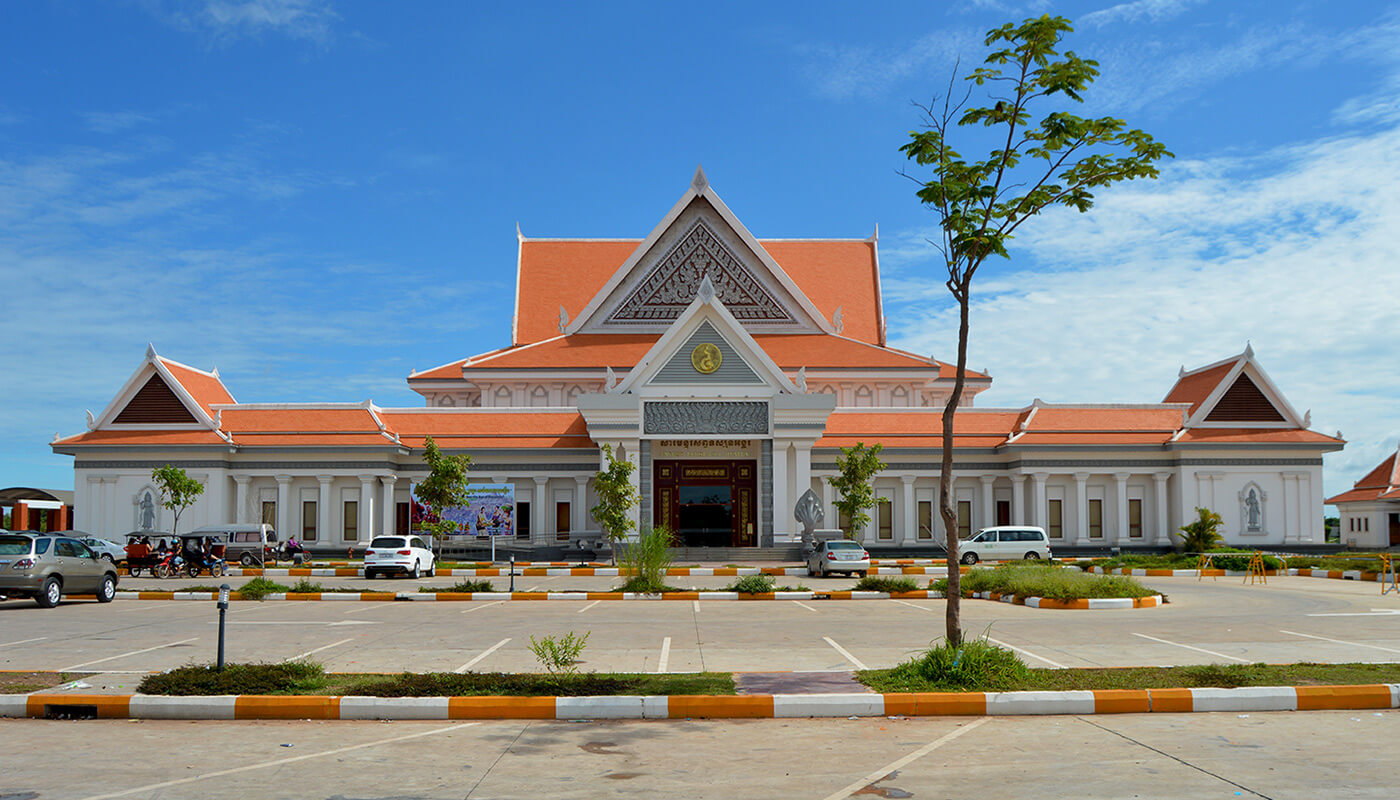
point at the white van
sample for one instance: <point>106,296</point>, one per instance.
<point>1005,543</point>
<point>249,545</point>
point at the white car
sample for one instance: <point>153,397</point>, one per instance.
<point>111,551</point>
<point>1005,543</point>
<point>405,555</point>
<point>838,555</point>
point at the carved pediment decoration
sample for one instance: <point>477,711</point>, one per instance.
<point>675,279</point>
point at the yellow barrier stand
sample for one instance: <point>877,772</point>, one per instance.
<point>1256,569</point>
<point>1388,574</point>
<point>1202,565</point>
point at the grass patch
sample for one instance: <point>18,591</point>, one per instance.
<point>290,677</point>
<point>260,587</point>
<point>907,678</point>
<point>461,587</point>
<point>751,584</point>
<point>643,584</point>
<point>882,583</point>
<point>977,666</point>
<point>21,682</point>
<point>451,684</point>
<point>1225,558</point>
<point>1031,580</point>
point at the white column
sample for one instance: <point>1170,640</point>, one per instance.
<point>284,507</point>
<point>910,521</point>
<point>782,509</point>
<point>829,504</point>
<point>323,509</point>
<point>388,512</point>
<point>989,514</point>
<point>1041,514</point>
<point>542,505</point>
<point>1018,500</point>
<point>1164,536</point>
<point>802,475</point>
<point>240,499</point>
<point>580,510</point>
<point>1081,508</point>
<point>1120,484</point>
<point>633,453</point>
<point>366,509</point>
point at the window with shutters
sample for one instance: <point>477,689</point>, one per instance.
<point>1095,519</point>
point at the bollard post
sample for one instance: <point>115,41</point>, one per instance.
<point>512,572</point>
<point>223,610</point>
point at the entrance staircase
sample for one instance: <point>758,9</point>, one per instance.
<point>727,555</point>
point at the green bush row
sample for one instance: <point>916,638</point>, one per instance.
<point>1055,583</point>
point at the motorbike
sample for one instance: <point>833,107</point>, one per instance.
<point>169,563</point>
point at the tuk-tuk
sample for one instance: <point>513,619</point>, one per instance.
<point>144,551</point>
<point>202,552</point>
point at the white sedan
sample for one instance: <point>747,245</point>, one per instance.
<point>838,555</point>
<point>403,555</point>
<point>111,551</point>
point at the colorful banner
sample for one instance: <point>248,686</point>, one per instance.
<point>490,511</point>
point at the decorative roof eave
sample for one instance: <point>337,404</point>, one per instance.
<point>1261,380</point>
<point>699,188</point>
<point>156,363</point>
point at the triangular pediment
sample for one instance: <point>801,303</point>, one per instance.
<point>153,397</point>
<point>699,238</point>
<point>1243,397</point>
<point>1244,402</point>
<point>154,403</point>
<point>706,357</point>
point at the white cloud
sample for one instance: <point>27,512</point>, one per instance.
<point>225,20</point>
<point>113,121</point>
<point>1138,10</point>
<point>1295,250</point>
<point>845,71</point>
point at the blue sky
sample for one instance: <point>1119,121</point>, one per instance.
<point>318,197</point>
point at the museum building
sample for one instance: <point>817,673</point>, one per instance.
<point>731,371</point>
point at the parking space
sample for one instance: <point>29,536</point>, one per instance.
<point>1291,619</point>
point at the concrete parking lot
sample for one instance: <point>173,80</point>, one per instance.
<point>1289,620</point>
<point>1278,755</point>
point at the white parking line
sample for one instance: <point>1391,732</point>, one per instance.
<point>696,604</point>
<point>265,764</point>
<point>1054,664</point>
<point>665,655</point>
<point>884,771</point>
<point>1339,641</point>
<point>845,654</point>
<point>804,605</point>
<point>590,605</point>
<point>493,648</point>
<point>1197,649</point>
<point>911,605</point>
<point>24,641</point>
<point>319,649</point>
<point>132,653</point>
<point>483,605</point>
<point>368,608</point>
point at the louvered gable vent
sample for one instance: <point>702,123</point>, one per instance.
<point>154,404</point>
<point>1243,402</point>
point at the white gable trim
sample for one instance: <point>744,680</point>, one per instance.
<point>707,307</point>
<point>1246,364</point>
<point>152,365</point>
<point>699,187</point>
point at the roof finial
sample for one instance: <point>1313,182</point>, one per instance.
<point>1181,373</point>
<point>1307,418</point>
<point>150,351</point>
<point>519,237</point>
<point>563,318</point>
<point>91,421</point>
<point>706,292</point>
<point>801,379</point>
<point>1248,349</point>
<point>699,183</point>
<point>838,320</point>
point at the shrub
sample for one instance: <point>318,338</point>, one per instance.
<point>451,684</point>
<point>752,584</point>
<point>305,586</point>
<point>978,665</point>
<point>461,587</point>
<point>1202,534</point>
<point>880,583</point>
<point>260,587</point>
<point>646,561</point>
<point>559,656</point>
<point>206,679</point>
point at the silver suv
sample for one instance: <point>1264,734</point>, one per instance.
<point>46,567</point>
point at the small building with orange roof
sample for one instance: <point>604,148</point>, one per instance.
<point>730,371</point>
<point>1370,511</point>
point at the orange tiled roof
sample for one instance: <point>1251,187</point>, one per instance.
<point>1071,419</point>
<point>1381,483</point>
<point>296,420</point>
<point>831,273</point>
<point>1256,435</point>
<point>1195,387</point>
<point>124,437</point>
<point>921,428</point>
<point>203,387</point>
<point>489,429</point>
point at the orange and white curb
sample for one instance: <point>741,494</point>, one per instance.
<point>1302,572</point>
<point>309,707</point>
<point>567,572</point>
<point>1087,604</point>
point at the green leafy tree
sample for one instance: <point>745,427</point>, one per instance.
<point>178,491</point>
<point>1032,166</point>
<point>857,467</point>
<point>445,487</point>
<point>1202,534</point>
<point>616,499</point>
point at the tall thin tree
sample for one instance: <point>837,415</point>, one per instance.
<point>1032,166</point>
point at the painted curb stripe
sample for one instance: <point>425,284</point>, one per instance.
<point>1114,701</point>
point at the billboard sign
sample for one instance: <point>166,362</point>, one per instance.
<point>490,511</point>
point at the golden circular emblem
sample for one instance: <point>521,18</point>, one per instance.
<point>705,358</point>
